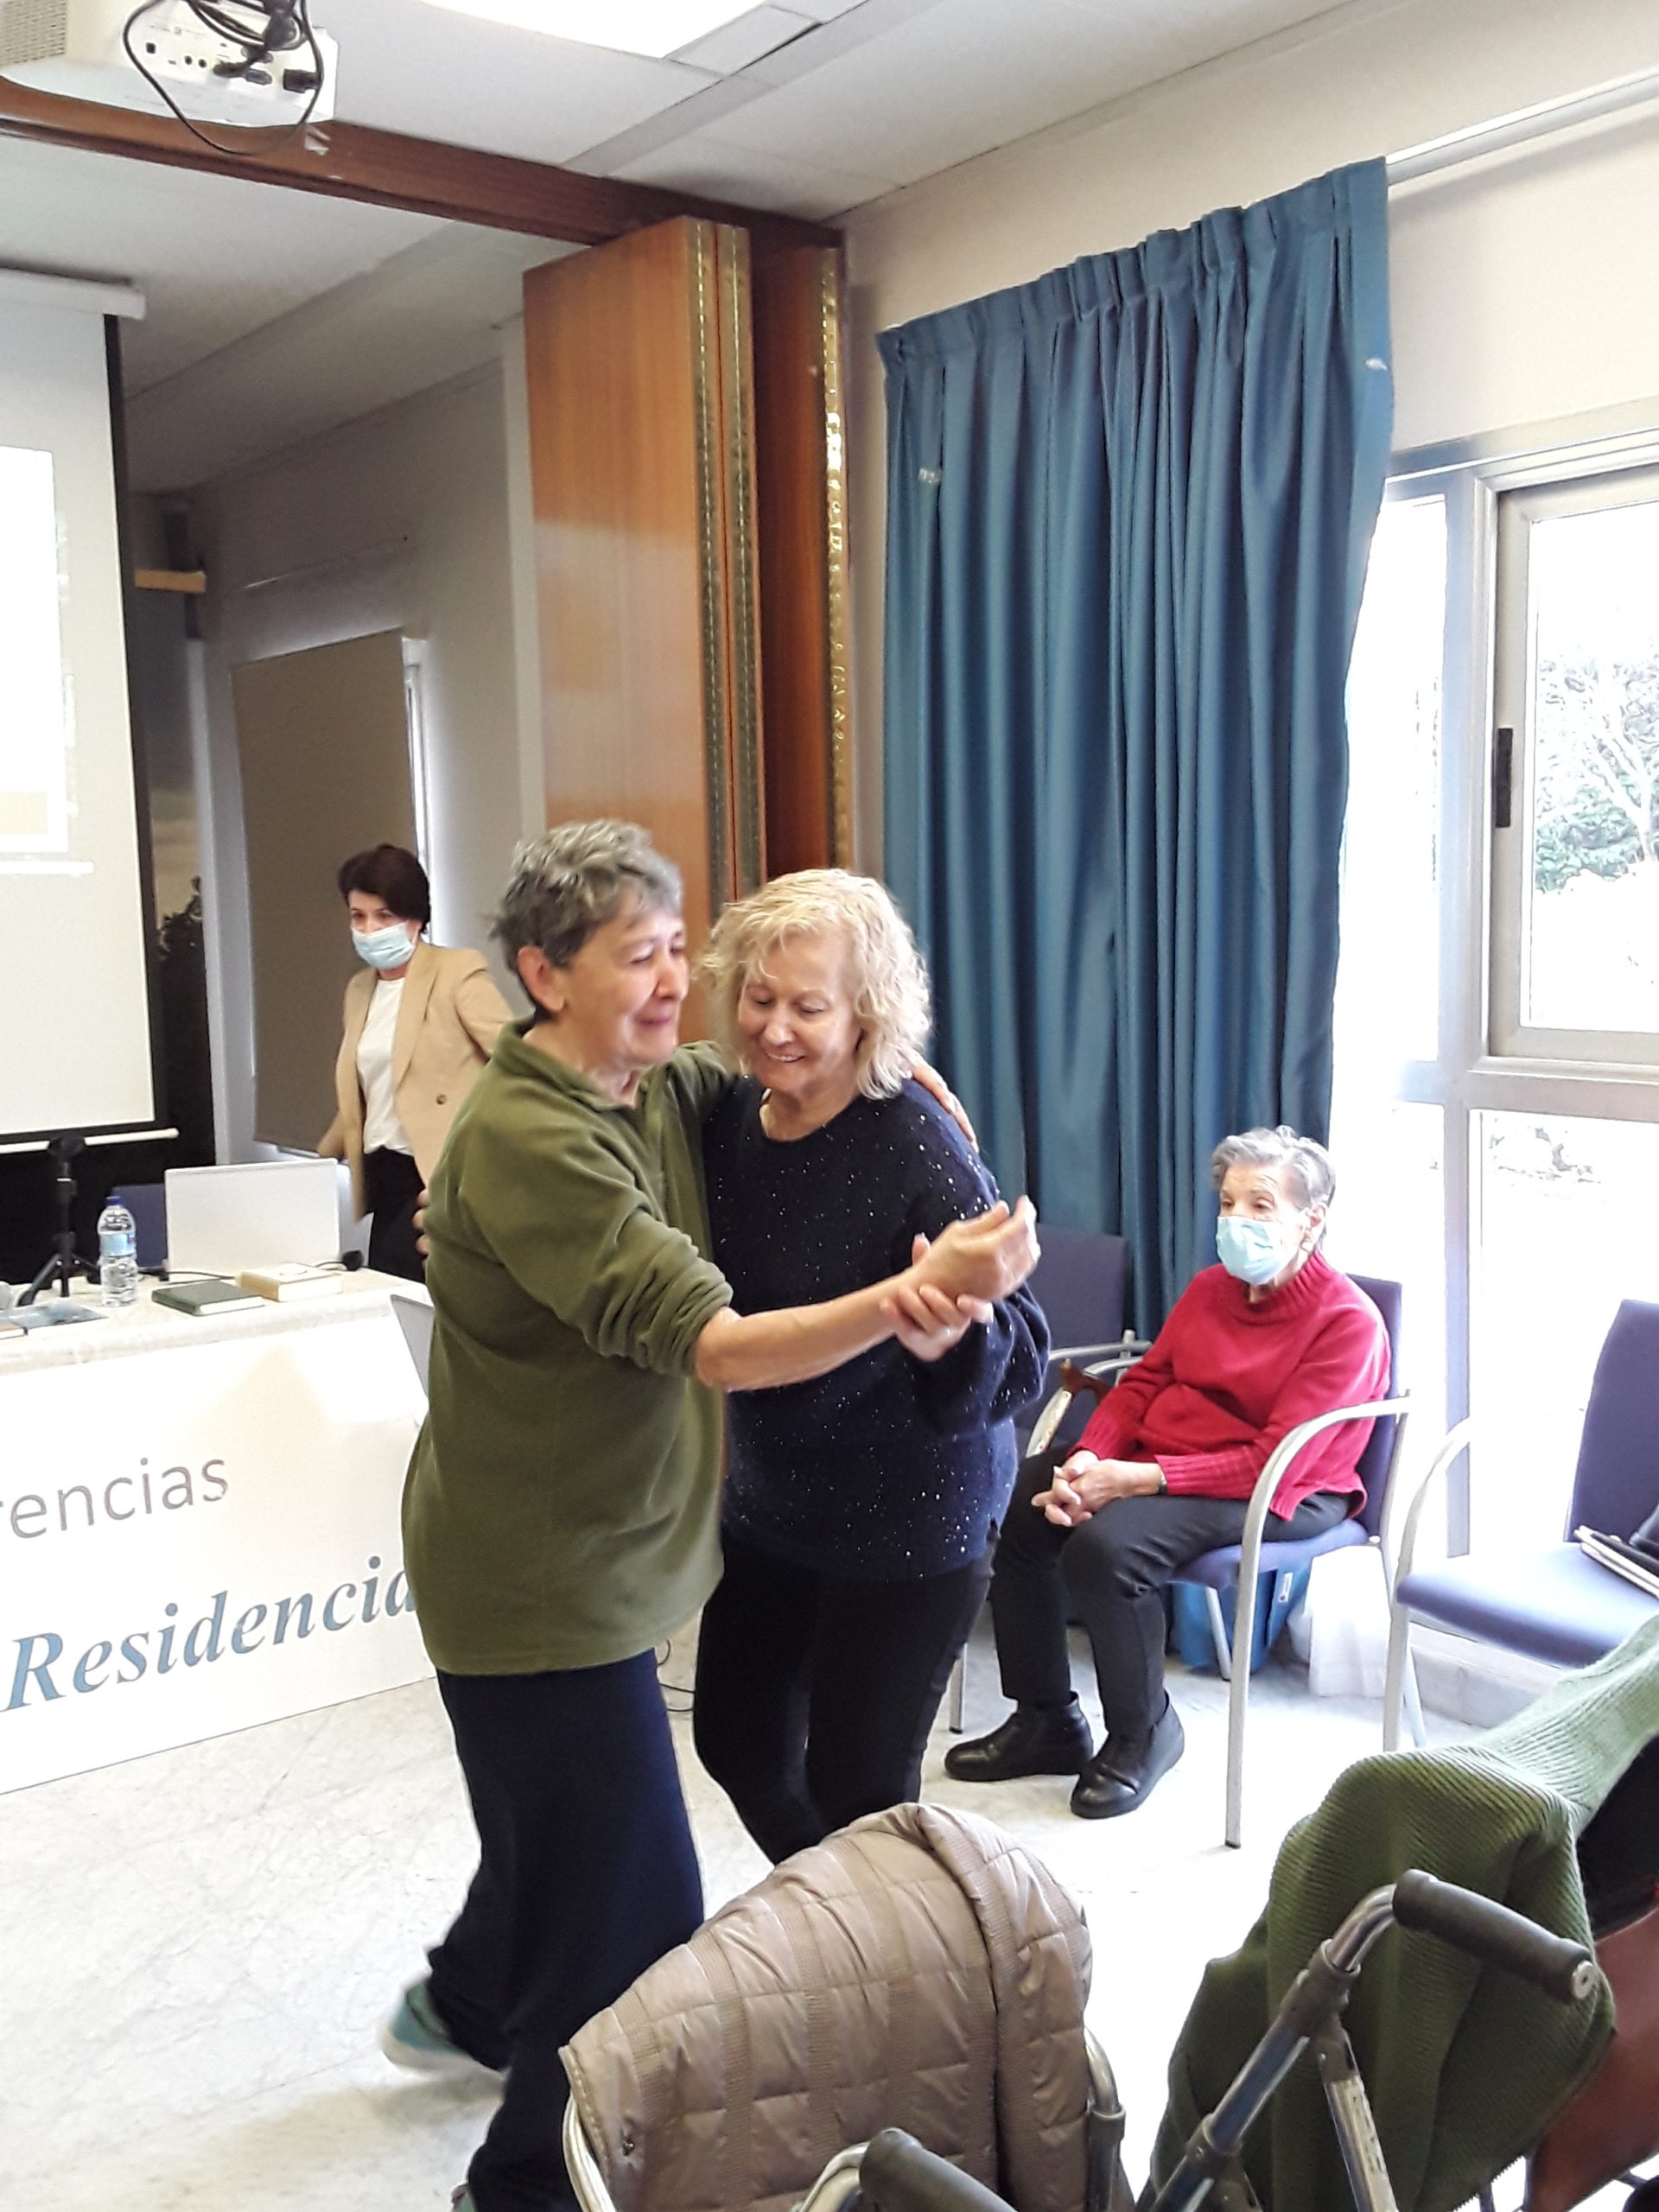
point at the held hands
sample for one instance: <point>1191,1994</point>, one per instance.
<point>1085,1483</point>
<point>985,1258</point>
<point>926,1322</point>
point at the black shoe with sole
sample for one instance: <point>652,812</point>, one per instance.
<point>1117,1780</point>
<point>1033,1739</point>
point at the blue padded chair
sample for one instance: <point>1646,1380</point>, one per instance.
<point>1239,1566</point>
<point>1080,1282</point>
<point>1553,1604</point>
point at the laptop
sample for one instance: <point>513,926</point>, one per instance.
<point>258,1214</point>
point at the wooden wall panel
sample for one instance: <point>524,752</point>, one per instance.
<point>801,500</point>
<point>641,430</point>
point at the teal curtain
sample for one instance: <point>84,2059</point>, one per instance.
<point>1129,507</point>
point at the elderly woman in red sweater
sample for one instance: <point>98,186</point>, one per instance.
<point>1164,1472</point>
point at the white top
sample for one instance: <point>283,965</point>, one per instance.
<point>381,1127</point>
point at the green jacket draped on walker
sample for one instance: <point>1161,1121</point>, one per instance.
<point>1465,2067</point>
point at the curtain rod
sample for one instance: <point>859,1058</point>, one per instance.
<point>1526,124</point>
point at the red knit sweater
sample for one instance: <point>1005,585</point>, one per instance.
<point>1226,1380</point>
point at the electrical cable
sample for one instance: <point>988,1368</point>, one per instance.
<point>293,16</point>
<point>671,1689</point>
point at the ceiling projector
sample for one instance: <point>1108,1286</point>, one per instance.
<point>117,55</point>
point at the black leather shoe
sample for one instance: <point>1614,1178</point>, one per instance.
<point>1033,1739</point>
<point>1115,1781</point>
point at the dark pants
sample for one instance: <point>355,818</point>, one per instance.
<point>586,1876</point>
<point>391,1186</point>
<point>815,1693</point>
<point>1109,1574</point>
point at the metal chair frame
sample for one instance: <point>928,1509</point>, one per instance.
<point>1108,2187</point>
<point>1233,1657</point>
<point>1236,1663</point>
<point>1400,1689</point>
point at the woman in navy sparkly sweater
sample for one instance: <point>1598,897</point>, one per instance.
<point>860,1508</point>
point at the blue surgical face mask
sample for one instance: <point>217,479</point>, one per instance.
<point>386,948</point>
<point>1254,1251</point>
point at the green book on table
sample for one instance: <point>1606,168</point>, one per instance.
<point>217,1295</point>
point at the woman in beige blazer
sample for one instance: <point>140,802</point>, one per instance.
<point>420,1023</point>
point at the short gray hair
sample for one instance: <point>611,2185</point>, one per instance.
<point>1311,1172</point>
<point>572,880</point>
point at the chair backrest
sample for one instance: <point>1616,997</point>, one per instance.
<point>1377,1458</point>
<point>1617,1483</point>
<point>1079,1283</point>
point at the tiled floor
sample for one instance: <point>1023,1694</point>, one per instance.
<point>197,1946</point>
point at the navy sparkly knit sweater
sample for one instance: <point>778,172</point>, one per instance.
<point>889,1466</point>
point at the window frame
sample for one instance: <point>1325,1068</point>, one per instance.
<point>1468,1077</point>
<point>1516,507</point>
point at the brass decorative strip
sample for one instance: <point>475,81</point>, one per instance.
<point>711,562</point>
<point>835,523</point>
<point>749,816</point>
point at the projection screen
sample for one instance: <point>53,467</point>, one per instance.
<point>75,1027</point>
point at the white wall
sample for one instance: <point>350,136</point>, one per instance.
<point>401,520</point>
<point>1521,288</point>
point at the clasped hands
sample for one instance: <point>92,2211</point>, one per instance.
<point>1085,1483</point>
<point>954,1280</point>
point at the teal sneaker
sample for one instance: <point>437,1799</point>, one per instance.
<point>414,2036</point>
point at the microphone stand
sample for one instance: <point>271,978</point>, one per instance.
<point>64,1261</point>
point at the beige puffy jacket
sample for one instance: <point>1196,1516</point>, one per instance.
<point>918,1970</point>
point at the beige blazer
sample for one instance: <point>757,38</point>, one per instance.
<point>448,1019</point>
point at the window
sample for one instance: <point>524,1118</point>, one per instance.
<point>1575,859</point>
<point>1495,1120</point>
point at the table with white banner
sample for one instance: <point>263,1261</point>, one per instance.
<point>198,1524</point>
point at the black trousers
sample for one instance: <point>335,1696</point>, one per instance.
<point>1109,1574</point>
<point>391,1185</point>
<point>586,1875</point>
<point>815,1692</point>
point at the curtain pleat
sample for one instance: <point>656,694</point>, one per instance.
<point>1129,506</point>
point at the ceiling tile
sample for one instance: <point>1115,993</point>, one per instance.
<point>704,164</point>
<point>215,257</point>
<point>429,313</point>
<point>404,65</point>
<point>746,38</point>
<point>967,75</point>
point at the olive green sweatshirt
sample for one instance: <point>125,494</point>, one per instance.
<point>562,1504</point>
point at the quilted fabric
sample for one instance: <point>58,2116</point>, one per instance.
<point>918,1970</point>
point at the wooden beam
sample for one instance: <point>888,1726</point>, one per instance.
<point>347,161</point>
<point>191,582</point>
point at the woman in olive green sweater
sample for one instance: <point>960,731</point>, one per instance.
<point>561,1514</point>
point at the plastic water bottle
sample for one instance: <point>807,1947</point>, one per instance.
<point>118,1256</point>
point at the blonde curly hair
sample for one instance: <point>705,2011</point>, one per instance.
<point>885,975</point>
